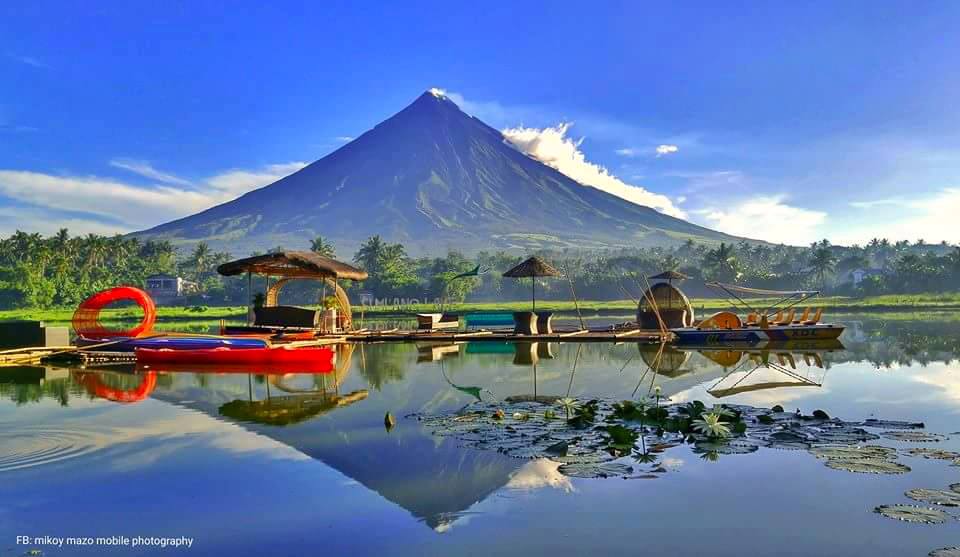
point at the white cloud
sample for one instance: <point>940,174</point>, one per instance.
<point>238,181</point>
<point>768,218</point>
<point>539,473</point>
<point>344,138</point>
<point>145,169</point>
<point>666,150</point>
<point>130,207</point>
<point>658,152</point>
<point>932,217</point>
<point>28,60</point>
<point>41,222</point>
<point>552,147</point>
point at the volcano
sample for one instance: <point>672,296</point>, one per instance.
<point>433,178</point>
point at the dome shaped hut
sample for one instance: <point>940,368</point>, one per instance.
<point>672,303</point>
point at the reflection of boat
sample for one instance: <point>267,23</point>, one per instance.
<point>781,359</point>
<point>310,357</point>
<point>778,321</point>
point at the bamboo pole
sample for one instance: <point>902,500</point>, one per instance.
<point>576,303</point>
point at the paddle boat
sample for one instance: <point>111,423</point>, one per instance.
<point>282,355</point>
<point>778,321</point>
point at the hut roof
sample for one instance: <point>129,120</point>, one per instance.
<point>667,296</point>
<point>533,267</point>
<point>303,264</point>
<point>670,275</point>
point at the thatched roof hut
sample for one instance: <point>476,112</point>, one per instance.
<point>294,265</point>
<point>297,264</point>
<point>672,303</point>
<point>532,267</point>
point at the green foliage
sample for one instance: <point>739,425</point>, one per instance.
<point>620,439</point>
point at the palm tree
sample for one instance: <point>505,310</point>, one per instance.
<point>320,246</point>
<point>823,261</point>
<point>371,253</point>
<point>200,259</point>
<point>722,261</point>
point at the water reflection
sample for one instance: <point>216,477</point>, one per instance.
<point>336,418</point>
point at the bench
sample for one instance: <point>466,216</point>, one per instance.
<point>436,321</point>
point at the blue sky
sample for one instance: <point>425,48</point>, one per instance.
<point>790,121</point>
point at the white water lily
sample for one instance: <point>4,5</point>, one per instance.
<point>568,404</point>
<point>710,425</point>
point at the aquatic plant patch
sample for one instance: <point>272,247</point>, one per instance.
<point>600,438</point>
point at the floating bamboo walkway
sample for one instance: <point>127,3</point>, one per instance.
<point>578,335</point>
<point>100,355</point>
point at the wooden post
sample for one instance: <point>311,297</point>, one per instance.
<point>249,296</point>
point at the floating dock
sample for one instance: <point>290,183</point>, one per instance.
<point>652,336</point>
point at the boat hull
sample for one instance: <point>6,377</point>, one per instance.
<point>755,335</point>
<point>175,342</point>
<point>317,358</point>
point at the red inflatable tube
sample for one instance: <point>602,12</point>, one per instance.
<point>86,320</point>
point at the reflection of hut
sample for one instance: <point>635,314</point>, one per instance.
<point>431,352</point>
<point>673,305</point>
<point>286,410</point>
<point>670,362</point>
<point>529,353</point>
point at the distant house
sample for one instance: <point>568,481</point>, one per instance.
<point>167,288</point>
<point>856,276</point>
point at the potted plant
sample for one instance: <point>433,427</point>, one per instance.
<point>330,305</point>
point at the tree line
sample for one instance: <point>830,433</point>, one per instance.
<point>61,270</point>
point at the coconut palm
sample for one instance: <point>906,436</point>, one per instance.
<point>321,246</point>
<point>822,261</point>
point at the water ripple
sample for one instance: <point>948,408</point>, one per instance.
<point>26,448</point>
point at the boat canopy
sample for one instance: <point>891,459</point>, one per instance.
<point>782,299</point>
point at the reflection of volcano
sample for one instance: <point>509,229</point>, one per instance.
<point>433,478</point>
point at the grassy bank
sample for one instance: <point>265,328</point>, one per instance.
<point>891,303</point>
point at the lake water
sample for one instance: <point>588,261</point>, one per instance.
<point>304,465</point>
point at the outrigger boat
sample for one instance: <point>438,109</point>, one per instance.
<point>779,321</point>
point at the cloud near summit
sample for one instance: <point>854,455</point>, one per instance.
<point>552,147</point>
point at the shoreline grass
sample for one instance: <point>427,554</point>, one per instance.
<point>886,303</point>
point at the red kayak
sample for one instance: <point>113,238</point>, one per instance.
<point>310,357</point>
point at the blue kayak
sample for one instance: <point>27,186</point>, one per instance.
<point>125,344</point>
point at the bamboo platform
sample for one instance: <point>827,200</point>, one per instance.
<point>652,336</point>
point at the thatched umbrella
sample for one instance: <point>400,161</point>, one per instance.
<point>533,268</point>
<point>670,276</point>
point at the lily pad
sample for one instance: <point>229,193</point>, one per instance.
<point>913,513</point>
<point>935,497</point>
<point>935,454</point>
<point>731,447</point>
<point>945,552</point>
<point>595,470</point>
<point>867,466</point>
<point>890,424</point>
<point>854,453</point>
<point>914,436</point>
